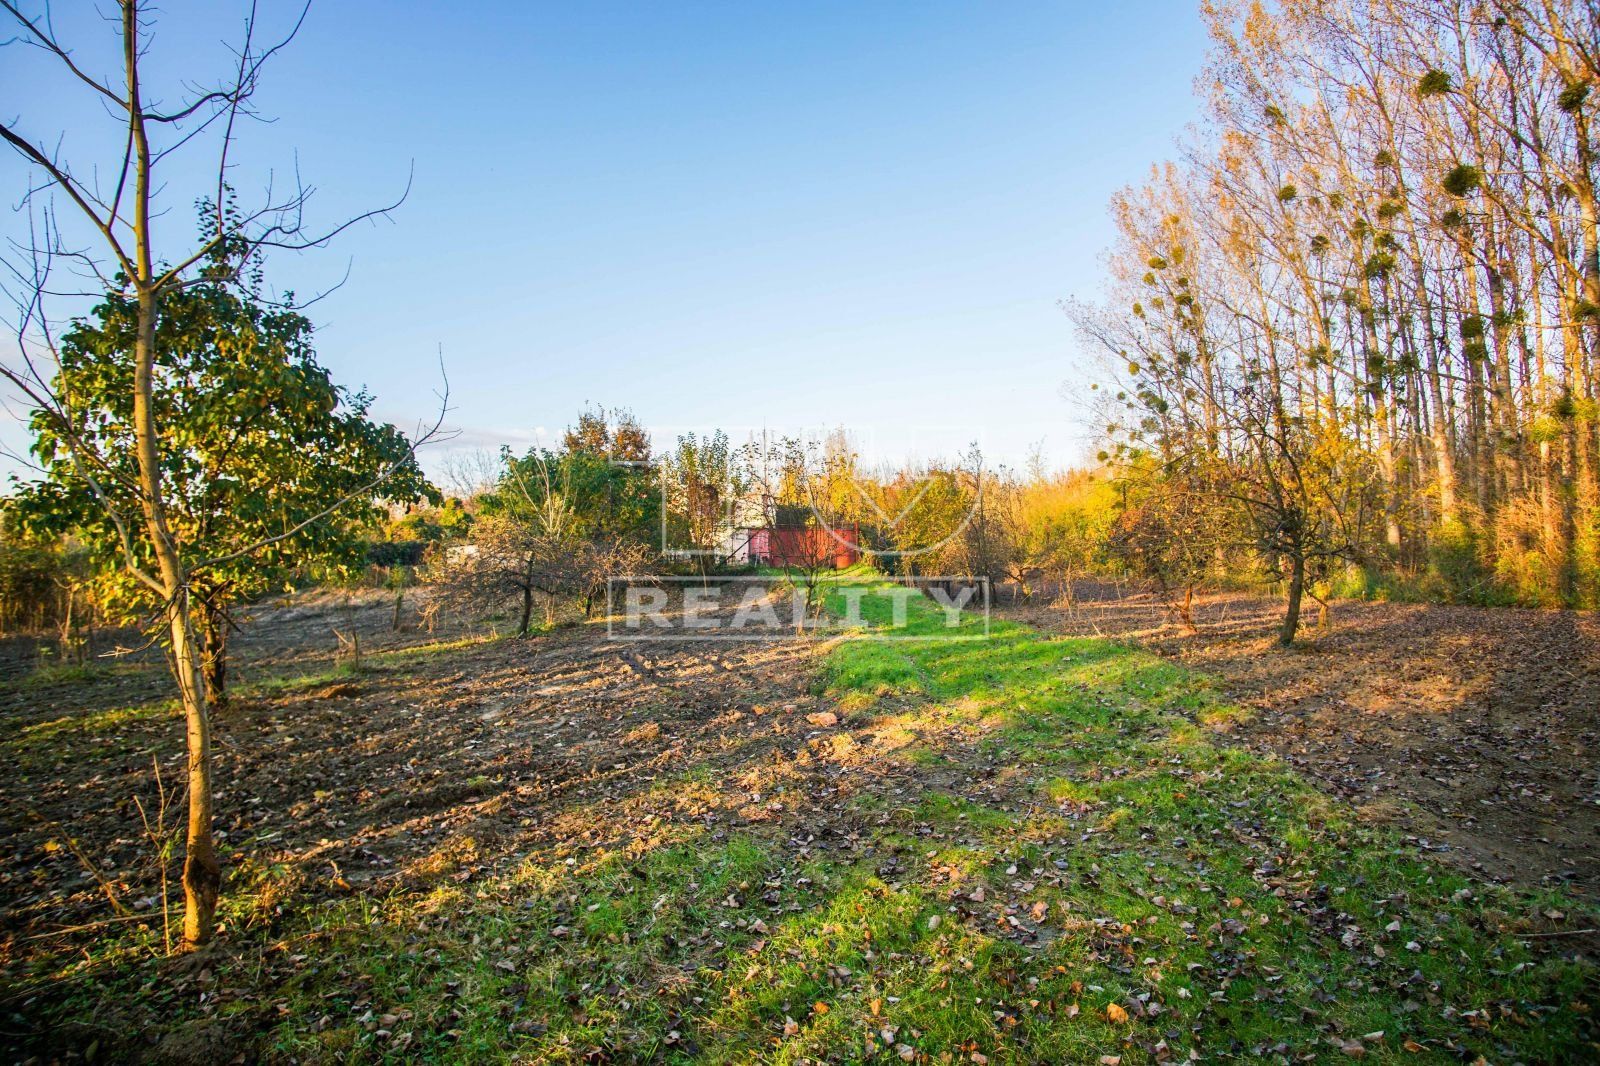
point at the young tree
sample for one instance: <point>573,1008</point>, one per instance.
<point>702,480</point>
<point>559,524</point>
<point>511,560</point>
<point>253,438</point>
<point>119,204</point>
<point>986,545</point>
<point>1062,523</point>
<point>933,509</point>
<point>1168,530</point>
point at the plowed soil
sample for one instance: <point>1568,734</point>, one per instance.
<point>1477,729</point>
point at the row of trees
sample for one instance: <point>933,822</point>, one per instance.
<point>953,517</point>
<point>552,525</point>
<point>1361,320</point>
<point>1356,330</point>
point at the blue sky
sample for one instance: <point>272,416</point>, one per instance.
<point>796,215</point>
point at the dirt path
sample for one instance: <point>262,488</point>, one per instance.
<point>1478,729</point>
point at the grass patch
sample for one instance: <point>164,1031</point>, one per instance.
<point>268,687</point>
<point>62,674</point>
<point>1204,891</point>
<point>414,652</point>
<point>35,746</point>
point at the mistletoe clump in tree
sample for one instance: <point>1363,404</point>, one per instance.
<point>257,441</point>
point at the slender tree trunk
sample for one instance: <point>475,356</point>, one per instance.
<point>71,651</point>
<point>1574,451</point>
<point>1388,470</point>
<point>527,603</point>
<point>214,655</point>
<point>1297,588</point>
<point>1388,467</point>
<point>1587,473</point>
<point>1439,430</point>
<point>202,872</point>
<point>1508,450</point>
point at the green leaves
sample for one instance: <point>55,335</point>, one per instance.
<point>254,437</point>
<point>1379,264</point>
<point>608,500</point>
<point>1571,99</point>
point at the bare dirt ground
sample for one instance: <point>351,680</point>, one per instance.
<point>1478,729</point>
<point>449,757</point>
<point>348,779</point>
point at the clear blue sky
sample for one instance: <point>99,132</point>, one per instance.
<point>730,215</point>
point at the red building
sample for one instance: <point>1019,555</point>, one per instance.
<point>806,546</point>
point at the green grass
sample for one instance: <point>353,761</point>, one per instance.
<point>50,675</point>
<point>34,748</point>
<point>1151,811</point>
<point>289,684</point>
<point>423,651</point>
<point>74,676</point>
<point>1072,867</point>
<point>346,671</point>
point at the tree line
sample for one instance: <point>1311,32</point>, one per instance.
<point>1359,321</point>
